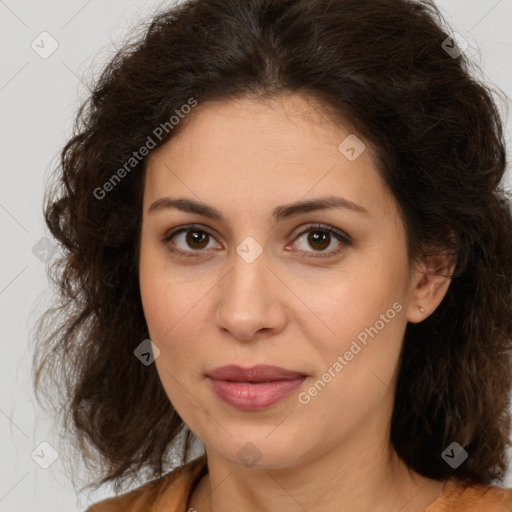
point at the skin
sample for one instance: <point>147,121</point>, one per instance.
<point>287,308</point>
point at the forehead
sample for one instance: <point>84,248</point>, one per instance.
<point>286,125</point>
<point>247,151</point>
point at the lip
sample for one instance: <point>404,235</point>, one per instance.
<point>255,388</point>
<point>258,373</point>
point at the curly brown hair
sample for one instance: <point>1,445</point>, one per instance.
<point>381,65</point>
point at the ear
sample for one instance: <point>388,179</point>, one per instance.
<point>429,283</point>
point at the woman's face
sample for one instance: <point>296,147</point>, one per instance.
<point>259,284</point>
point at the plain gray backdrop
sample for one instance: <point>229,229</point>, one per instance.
<point>48,47</point>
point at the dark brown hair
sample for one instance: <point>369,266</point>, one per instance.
<point>437,136</point>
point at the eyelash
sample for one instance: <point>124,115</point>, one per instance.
<point>316,227</point>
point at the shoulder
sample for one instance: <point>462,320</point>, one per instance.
<point>168,493</point>
<point>459,497</point>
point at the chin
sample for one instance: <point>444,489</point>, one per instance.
<point>254,449</point>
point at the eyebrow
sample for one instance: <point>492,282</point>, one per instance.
<point>279,213</point>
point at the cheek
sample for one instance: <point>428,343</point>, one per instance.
<point>173,318</point>
<point>352,304</point>
<point>172,332</point>
<point>174,312</point>
<point>167,297</point>
<point>358,361</point>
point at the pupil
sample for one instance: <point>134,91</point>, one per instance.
<point>191,238</point>
<point>314,238</point>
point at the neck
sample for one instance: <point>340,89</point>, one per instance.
<point>357,477</point>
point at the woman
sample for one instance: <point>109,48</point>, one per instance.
<point>286,236</point>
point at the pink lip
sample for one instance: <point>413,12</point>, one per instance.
<point>254,388</point>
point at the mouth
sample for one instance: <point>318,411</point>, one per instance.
<point>258,373</point>
<point>255,388</point>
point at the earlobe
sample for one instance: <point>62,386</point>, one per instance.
<point>432,282</point>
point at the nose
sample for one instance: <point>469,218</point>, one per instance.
<point>250,300</point>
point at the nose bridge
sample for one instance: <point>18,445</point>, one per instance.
<point>247,282</point>
<point>248,301</point>
<point>248,275</point>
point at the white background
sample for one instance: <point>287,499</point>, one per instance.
<point>39,98</point>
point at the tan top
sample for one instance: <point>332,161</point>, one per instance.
<point>171,493</point>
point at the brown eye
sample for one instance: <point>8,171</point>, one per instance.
<point>196,237</point>
<point>191,241</point>
<point>318,241</point>
<point>320,238</point>
<point>188,240</point>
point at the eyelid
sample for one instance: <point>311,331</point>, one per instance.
<point>341,236</point>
